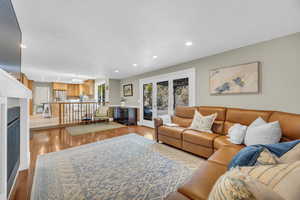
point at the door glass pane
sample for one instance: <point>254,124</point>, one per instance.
<point>181,92</point>
<point>147,101</point>
<point>101,93</point>
<point>162,98</point>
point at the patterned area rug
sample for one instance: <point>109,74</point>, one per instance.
<point>129,167</point>
<point>84,129</point>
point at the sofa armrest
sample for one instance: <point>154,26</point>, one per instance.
<point>202,181</point>
<point>157,123</point>
<point>224,155</point>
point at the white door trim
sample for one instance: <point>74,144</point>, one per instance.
<point>3,148</point>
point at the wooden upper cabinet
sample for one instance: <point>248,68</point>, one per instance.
<point>25,81</point>
<point>60,86</point>
<point>87,88</point>
<point>73,90</point>
<point>91,87</point>
<point>28,83</point>
<point>81,89</point>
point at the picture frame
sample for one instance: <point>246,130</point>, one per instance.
<point>128,90</point>
<point>236,79</point>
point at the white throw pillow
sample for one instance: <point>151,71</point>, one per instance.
<point>203,123</point>
<point>166,119</point>
<point>237,133</point>
<point>258,122</point>
<point>260,132</point>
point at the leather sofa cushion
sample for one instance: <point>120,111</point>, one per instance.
<point>170,141</point>
<point>197,149</point>
<point>185,112</point>
<point>223,141</point>
<point>208,110</point>
<point>174,132</point>
<point>289,123</point>
<point>183,122</point>
<point>202,181</point>
<point>224,155</point>
<point>244,117</point>
<point>200,138</point>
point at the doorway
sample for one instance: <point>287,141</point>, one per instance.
<point>160,95</point>
<point>101,93</point>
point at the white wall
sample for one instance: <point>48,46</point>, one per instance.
<point>114,91</point>
<point>132,100</point>
<point>279,76</point>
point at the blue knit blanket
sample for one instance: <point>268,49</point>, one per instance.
<point>248,156</point>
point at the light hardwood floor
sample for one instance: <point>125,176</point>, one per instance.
<point>53,140</point>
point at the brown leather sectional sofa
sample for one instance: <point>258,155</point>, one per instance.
<point>215,146</point>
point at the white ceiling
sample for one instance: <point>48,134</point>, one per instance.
<point>93,38</point>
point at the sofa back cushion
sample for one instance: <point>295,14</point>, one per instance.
<point>183,116</point>
<point>227,117</point>
<point>182,122</point>
<point>185,112</point>
<point>289,123</point>
<point>243,116</point>
<point>219,121</point>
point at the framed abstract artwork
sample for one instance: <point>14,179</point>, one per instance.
<point>127,90</point>
<point>238,79</point>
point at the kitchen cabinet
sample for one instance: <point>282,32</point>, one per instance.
<point>28,83</point>
<point>24,80</point>
<point>87,88</point>
<point>60,86</point>
<point>73,90</point>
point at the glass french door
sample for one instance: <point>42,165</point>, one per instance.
<point>147,107</point>
<point>160,95</point>
<point>161,98</point>
<point>181,92</point>
<point>155,101</point>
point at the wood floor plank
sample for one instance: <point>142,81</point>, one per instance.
<point>52,140</point>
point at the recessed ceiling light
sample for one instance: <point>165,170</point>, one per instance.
<point>135,65</point>
<point>154,57</point>
<point>23,46</point>
<point>117,71</point>
<point>189,43</point>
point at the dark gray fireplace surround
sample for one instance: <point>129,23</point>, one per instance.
<point>13,145</point>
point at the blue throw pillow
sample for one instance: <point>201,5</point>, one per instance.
<point>248,156</point>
